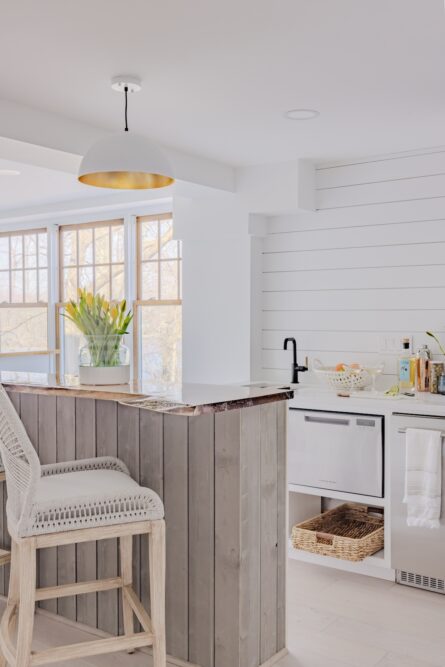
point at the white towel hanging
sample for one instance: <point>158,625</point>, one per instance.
<point>423,477</point>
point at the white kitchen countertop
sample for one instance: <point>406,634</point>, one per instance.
<point>318,397</point>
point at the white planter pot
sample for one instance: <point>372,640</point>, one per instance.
<point>104,374</point>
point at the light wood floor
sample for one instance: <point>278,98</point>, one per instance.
<point>336,619</point>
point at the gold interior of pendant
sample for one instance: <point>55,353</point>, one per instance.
<point>126,180</point>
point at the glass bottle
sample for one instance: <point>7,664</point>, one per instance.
<point>407,367</point>
<point>423,358</point>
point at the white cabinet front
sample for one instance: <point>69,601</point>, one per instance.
<point>336,451</point>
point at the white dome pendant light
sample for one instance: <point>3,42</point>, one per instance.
<point>125,161</point>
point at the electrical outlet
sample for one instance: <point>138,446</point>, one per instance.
<point>382,344</point>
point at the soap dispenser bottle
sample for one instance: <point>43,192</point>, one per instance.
<point>423,358</point>
<point>407,367</point>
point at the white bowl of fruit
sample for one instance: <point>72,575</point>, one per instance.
<point>343,376</point>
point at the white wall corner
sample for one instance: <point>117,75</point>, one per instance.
<point>306,185</point>
<point>257,225</point>
<point>276,189</point>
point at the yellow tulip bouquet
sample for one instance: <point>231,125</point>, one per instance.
<point>102,324</point>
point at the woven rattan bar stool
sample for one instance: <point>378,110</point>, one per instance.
<point>69,503</point>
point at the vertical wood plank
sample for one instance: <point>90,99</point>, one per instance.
<point>250,579</point>
<point>201,606</point>
<point>176,514</point>
<point>48,454</point>
<point>128,452</point>
<point>282,413</point>
<point>151,475</point>
<point>86,553</point>
<point>66,451</point>
<point>15,398</point>
<point>269,533</point>
<point>227,538</point>
<point>107,550</point>
<point>29,414</point>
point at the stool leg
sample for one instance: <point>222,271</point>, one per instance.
<point>13,592</point>
<point>157,591</point>
<point>27,592</point>
<point>126,553</point>
<point>14,583</point>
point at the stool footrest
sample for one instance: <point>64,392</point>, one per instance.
<point>5,556</point>
<point>96,647</point>
<point>65,590</point>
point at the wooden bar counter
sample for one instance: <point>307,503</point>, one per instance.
<point>217,457</point>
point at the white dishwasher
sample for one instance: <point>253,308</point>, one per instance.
<point>336,451</point>
<point>417,554</point>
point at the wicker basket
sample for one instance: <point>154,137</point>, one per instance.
<point>348,379</point>
<point>350,532</point>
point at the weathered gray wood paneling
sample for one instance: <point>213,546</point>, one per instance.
<point>282,413</point>
<point>269,531</point>
<point>176,515</point>
<point>48,454</point>
<point>66,451</point>
<point>107,550</point>
<point>201,539</point>
<point>151,474</point>
<point>227,538</point>
<point>128,452</point>
<point>250,471</point>
<point>86,553</point>
<point>222,479</point>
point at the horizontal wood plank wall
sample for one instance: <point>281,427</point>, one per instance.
<point>363,270</point>
<point>226,548</point>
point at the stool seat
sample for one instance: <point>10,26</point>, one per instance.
<point>88,493</point>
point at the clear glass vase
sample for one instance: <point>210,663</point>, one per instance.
<point>104,360</point>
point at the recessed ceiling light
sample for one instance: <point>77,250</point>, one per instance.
<point>301,114</point>
<point>9,172</point>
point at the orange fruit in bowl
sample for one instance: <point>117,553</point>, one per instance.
<point>340,368</point>
<point>355,366</point>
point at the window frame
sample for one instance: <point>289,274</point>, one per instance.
<point>114,222</point>
<point>31,231</point>
<point>61,303</point>
<point>139,302</point>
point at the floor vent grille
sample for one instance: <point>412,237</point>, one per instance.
<point>421,581</point>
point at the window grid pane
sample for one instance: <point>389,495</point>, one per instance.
<point>23,291</point>
<point>92,257</point>
<point>23,264</point>
<point>159,294</point>
<point>159,272</point>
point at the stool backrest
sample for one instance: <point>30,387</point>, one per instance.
<point>20,460</point>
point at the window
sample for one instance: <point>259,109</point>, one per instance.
<point>24,291</point>
<point>91,256</point>
<point>159,309</point>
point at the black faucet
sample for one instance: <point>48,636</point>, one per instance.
<point>295,367</point>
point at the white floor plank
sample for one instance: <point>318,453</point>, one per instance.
<point>335,619</point>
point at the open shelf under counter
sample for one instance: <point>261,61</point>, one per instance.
<point>376,565</point>
<point>338,495</point>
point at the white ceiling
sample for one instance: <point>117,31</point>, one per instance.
<point>35,186</point>
<point>218,74</point>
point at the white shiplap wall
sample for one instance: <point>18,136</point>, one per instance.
<point>368,265</point>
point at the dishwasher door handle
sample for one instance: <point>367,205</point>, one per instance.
<point>403,431</point>
<point>326,420</point>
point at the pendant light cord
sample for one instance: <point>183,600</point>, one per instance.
<point>126,108</point>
